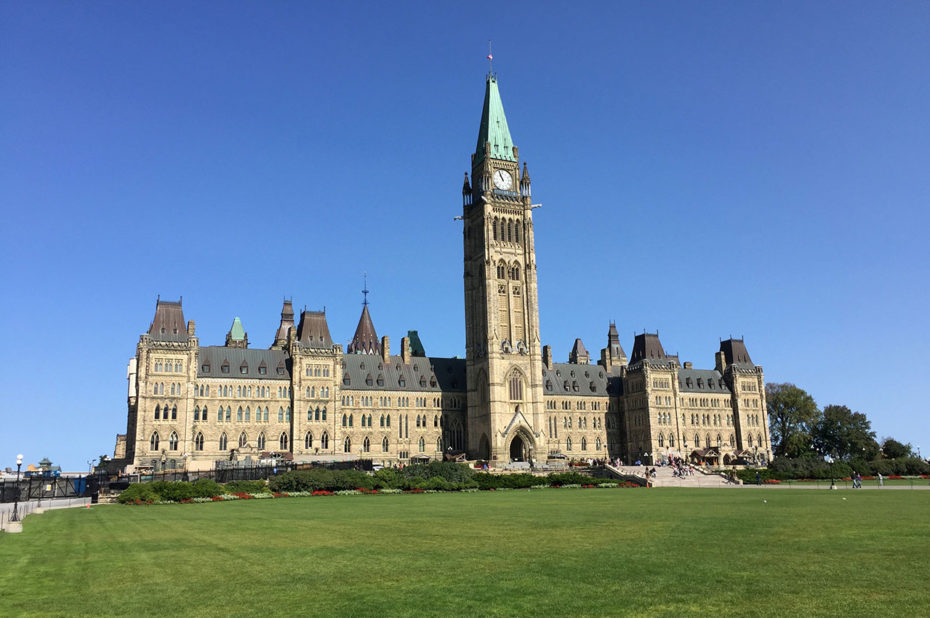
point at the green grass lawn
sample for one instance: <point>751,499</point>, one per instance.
<point>542,552</point>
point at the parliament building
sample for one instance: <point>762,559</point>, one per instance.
<point>308,398</point>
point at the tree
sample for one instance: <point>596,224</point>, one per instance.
<point>845,434</point>
<point>892,449</point>
<point>792,416</point>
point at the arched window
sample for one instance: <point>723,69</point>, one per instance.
<point>671,440</point>
<point>324,413</point>
<point>196,413</point>
<point>568,444</point>
<point>516,386</point>
<point>266,414</point>
<point>243,440</point>
<point>697,441</point>
<point>366,445</point>
<point>418,420</point>
<point>174,413</point>
<point>248,414</point>
<point>436,420</point>
<point>661,441</point>
<point>324,441</point>
<point>157,411</point>
<point>493,227</point>
<point>501,270</point>
<point>509,230</point>
<point>597,444</point>
<point>198,441</point>
<point>153,442</point>
<point>345,420</point>
<point>369,420</point>
<point>384,444</point>
<point>282,441</point>
<point>347,445</point>
<point>223,441</point>
<point>719,441</point>
<point>260,443</point>
<point>584,444</point>
<point>316,414</point>
<point>239,414</point>
<point>308,441</point>
<point>382,420</point>
<point>515,272</point>
<point>228,414</point>
<point>280,414</point>
<point>173,441</point>
<point>421,444</point>
<point>351,418</point>
<point>503,230</point>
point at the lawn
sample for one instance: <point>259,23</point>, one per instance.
<point>553,552</point>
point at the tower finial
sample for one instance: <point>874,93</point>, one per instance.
<point>490,59</point>
<point>365,290</point>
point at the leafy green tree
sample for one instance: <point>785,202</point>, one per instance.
<point>892,449</point>
<point>793,414</point>
<point>845,434</point>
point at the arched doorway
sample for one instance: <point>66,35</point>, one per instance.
<point>518,450</point>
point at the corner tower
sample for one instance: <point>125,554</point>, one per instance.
<point>506,413</point>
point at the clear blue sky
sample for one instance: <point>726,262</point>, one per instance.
<point>755,169</point>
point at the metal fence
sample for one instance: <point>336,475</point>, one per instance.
<point>42,488</point>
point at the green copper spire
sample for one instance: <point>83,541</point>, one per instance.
<point>236,332</point>
<point>494,128</point>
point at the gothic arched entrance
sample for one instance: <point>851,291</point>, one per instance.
<point>518,449</point>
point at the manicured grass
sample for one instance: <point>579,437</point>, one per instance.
<point>556,552</point>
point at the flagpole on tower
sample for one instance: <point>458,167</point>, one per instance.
<point>490,58</point>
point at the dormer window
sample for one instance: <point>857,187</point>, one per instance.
<point>688,382</point>
<point>280,371</point>
<point>368,380</point>
<point>401,381</point>
<point>224,367</point>
<point>700,382</point>
<point>380,379</point>
<point>243,368</point>
<point>346,380</point>
<point>262,370</point>
<point>422,381</point>
<point>205,368</point>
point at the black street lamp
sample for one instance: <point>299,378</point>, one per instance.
<point>19,464</point>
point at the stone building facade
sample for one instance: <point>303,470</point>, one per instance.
<point>308,398</point>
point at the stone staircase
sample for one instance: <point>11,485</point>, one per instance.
<point>666,478</point>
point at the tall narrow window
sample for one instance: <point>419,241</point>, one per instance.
<point>324,441</point>
<point>347,445</point>
<point>153,442</point>
<point>173,441</point>
<point>282,441</point>
<point>198,442</point>
<point>260,443</point>
<point>223,441</point>
<point>366,445</point>
<point>243,440</point>
<point>308,441</point>
<point>422,444</point>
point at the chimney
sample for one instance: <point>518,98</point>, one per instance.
<point>190,328</point>
<point>547,356</point>
<point>386,349</point>
<point>405,350</point>
<point>720,361</point>
<point>688,365</point>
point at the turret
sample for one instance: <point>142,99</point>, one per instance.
<point>466,192</point>
<point>287,323</point>
<point>525,182</point>
<point>237,337</point>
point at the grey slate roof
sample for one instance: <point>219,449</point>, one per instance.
<point>576,380</point>
<point>422,374</point>
<point>701,381</point>
<point>239,359</point>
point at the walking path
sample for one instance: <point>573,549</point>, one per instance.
<point>35,507</point>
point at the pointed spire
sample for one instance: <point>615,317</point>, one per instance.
<point>466,188</point>
<point>365,340</point>
<point>579,355</point>
<point>493,133</point>
<point>237,337</point>
<point>287,323</point>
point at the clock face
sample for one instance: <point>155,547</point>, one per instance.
<point>502,180</point>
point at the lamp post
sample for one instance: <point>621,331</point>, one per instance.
<point>829,460</point>
<point>19,464</point>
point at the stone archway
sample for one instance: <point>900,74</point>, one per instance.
<point>518,449</point>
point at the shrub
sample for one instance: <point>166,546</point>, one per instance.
<point>138,492</point>
<point>206,488</point>
<point>249,487</point>
<point>173,491</point>
<point>389,478</point>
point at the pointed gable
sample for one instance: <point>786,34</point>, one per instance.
<point>579,355</point>
<point>365,340</point>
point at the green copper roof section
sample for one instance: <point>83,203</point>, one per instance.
<point>236,332</point>
<point>494,128</point>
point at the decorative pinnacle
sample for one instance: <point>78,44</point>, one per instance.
<point>365,291</point>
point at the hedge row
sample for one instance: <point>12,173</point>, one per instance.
<point>783,469</point>
<point>177,491</point>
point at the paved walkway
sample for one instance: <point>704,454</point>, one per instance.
<point>28,508</point>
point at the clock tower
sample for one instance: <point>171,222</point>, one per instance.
<point>506,412</point>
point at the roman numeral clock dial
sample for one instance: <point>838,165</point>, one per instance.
<point>502,180</point>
